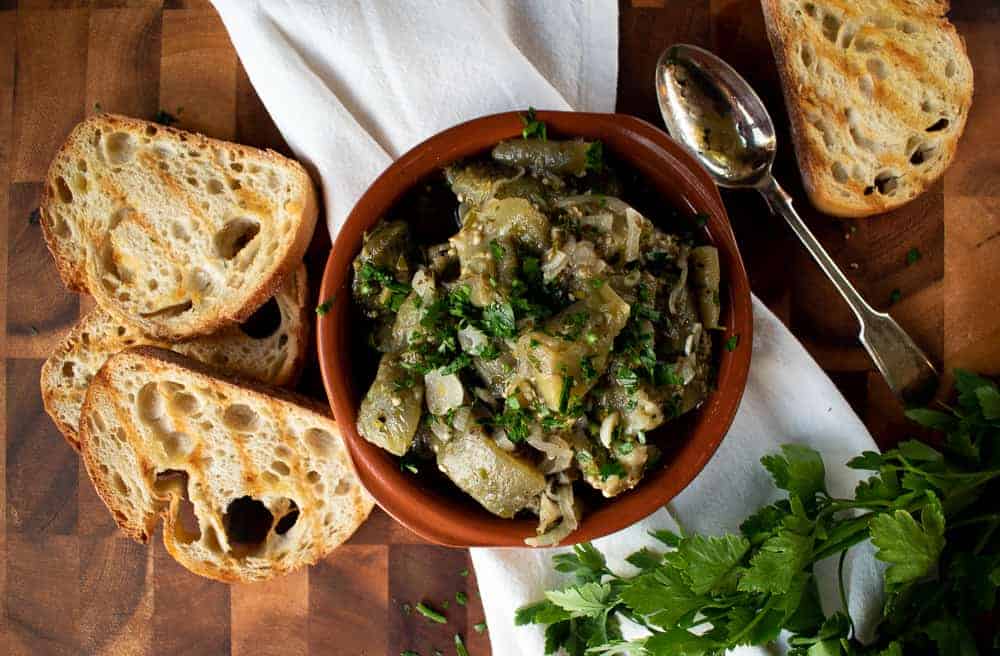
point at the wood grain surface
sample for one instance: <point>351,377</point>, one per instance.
<point>71,584</point>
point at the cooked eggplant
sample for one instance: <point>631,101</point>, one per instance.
<point>536,348</point>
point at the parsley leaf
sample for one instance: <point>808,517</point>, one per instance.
<point>498,320</point>
<point>911,549</point>
<point>584,600</point>
<point>533,128</point>
<point>799,470</point>
<point>595,157</point>
<point>710,562</point>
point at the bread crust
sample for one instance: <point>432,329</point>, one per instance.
<point>72,269</point>
<point>356,503</point>
<point>823,190</point>
<point>292,297</point>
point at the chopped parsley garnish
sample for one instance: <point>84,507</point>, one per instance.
<point>430,613</point>
<point>530,266</point>
<point>732,343</point>
<point>514,420</point>
<point>913,256</point>
<point>663,374</point>
<point>625,448</point>
<point>612,468</point>
<point>498,320</point>
<point>587,368</point>
<point>325,306</point>
<point>497,249</point>
<point>398,291</point>
<point>626,378</point>
<point>567,386</point>
<point>533,128</point>
<point>597,283</point>
<point>595,157</point>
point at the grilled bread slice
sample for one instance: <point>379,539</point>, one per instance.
<point>176,233</point>
<point>259,350</point>
<point>251,482</point>
<point>878,92</point>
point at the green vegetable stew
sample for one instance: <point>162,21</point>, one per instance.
<point>537,347</point>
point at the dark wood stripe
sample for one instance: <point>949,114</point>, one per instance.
<point>431,575</point>
<point>271,618</point>
<point>123,65</point>
<point>191,613</point>
<point>41,467</point>
<point>51,70</point>
<point>116,598</point>
<point>43,594</point>
<point>348,602</point>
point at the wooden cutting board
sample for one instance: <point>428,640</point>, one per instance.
<point>71,584</point>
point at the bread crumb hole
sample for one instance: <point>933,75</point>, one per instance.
<point>264,322</point>
<point>169,311</point>
<point>950,68</point>
<point>878,68</point>
<point>831,27</point>
<point>185,403</point>
<point>152,284</point>
<point>192,181</point>
<point>240,417</point>
<point>839,172</point>
<point>320,442</point>
<point>922,154</point>
<point>63,191</point>
<point>906,27</point>
<point>283,451</point>
<point>236,166</point>
<point>247,522</point>
<point>847,35</point>
<point>867,85</point>
<point>67,369</point>
<point>312,476</point>
<point>810,9</point>
<point>119,148</point>
<point>940,124</point>
<point>806,52</point>
<point>343,487</point>
<point>281,468</point>
<point>886,183</point>
<point>119,484</point>
<point>286,523</point>
<point>213,186</point>
<point>863,44</point>
<point>176,445</point>
<point>150,405</point>
<point>234,236</point>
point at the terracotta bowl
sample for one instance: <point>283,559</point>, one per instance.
<point>441,513</point>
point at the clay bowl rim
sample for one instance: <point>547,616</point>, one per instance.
<point>446,519</point>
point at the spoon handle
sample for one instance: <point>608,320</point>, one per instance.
<point>907,370</point>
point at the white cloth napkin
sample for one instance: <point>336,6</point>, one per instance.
<point>353,85</point>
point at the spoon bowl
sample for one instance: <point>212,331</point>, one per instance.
<point>714,113</point>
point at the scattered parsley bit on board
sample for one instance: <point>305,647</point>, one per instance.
<point>464,573</point>
<point>913,256</point>
<point>430,613</point>
<point>479,627</point>
<point>460,649</point>
<point>461,598</point>
<point>895,296</point>
<point>163,117</point>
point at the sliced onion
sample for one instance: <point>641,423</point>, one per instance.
<point>569,523</point>
<point>558,454</point>
<point>555,262</point>
<point>608,427</point>
<point>633,227</point>
<point>472,340</point>
<point>679,288</point>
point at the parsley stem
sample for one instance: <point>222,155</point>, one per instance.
<point>843,592</point>
<point>430,613</point>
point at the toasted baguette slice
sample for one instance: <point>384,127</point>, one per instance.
<point>176,233</point>
<point>878,92</point>
<point>251,482</point>
<point>275,358</point>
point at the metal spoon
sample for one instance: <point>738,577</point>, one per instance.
<point>711,110</point>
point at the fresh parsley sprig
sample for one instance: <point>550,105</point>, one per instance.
<point>931,514</point>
